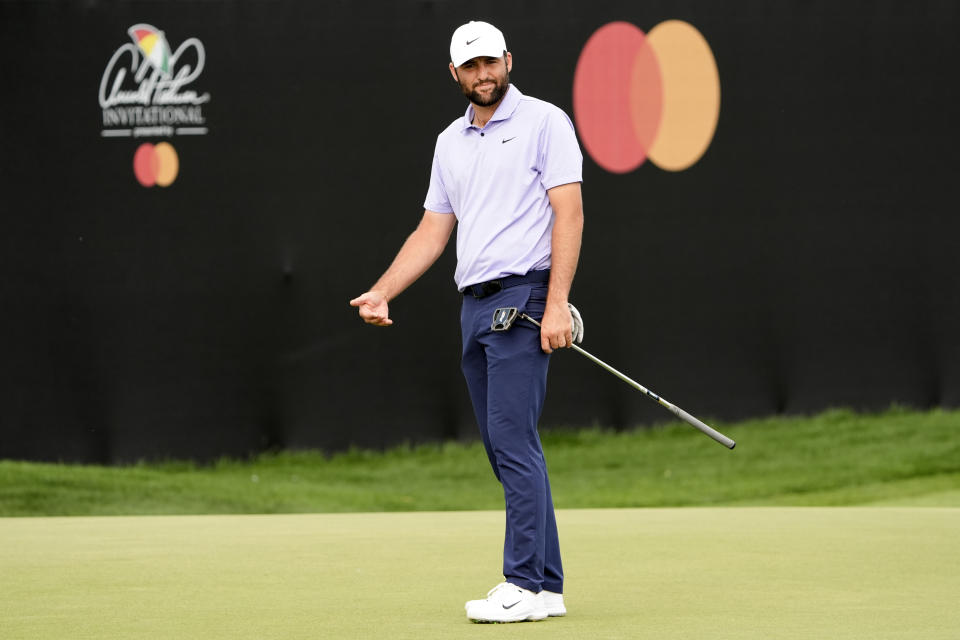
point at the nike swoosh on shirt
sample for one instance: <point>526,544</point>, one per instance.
<point>470,42</point>
<point>507,140</point>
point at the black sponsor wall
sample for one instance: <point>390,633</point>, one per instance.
<point>808,260</point>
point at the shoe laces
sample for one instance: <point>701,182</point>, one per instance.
<point>500,587</point>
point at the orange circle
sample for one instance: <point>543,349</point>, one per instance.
<point>691,95</point>
<point>168,164</point>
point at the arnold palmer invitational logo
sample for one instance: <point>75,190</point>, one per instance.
<point>145,92</point>
<point>640,96</point>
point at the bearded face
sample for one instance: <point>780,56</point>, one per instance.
<point>484,81</point>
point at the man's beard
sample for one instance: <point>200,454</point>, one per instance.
<point>500,88</point>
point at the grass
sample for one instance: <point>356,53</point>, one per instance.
<point>898,457</point>
<point>726,574</point>
<point>787,571</point>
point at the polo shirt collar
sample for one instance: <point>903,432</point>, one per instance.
<point>509,104</point>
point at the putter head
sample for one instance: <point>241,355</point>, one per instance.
<point>503,318</point>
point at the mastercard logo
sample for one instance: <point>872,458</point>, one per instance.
<point>156,164</point>
<point>649,96</point>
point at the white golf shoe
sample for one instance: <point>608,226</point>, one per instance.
<point>507,603</point>
<point>553,603</point>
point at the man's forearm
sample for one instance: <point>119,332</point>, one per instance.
<point>566,254</point>
<point>418,253</point>
<point>415,256</point>
<point>565,248</point>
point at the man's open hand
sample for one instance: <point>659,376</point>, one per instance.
<point>373,308</point>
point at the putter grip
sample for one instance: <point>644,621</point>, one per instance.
<point>703,426</point>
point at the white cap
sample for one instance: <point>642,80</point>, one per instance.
<point>476,39</point>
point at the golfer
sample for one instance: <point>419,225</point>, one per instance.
<point>507,174</point>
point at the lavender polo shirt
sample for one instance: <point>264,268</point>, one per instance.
<point>495,180</point>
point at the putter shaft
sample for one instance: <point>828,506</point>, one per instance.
<point>672,408</point>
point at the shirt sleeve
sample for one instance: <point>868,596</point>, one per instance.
<point>560,159</point>
<point>437,199</point>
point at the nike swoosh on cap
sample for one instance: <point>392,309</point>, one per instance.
<point>470,42</point>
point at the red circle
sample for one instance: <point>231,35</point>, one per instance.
<point>602,97</point>
<point>145,165</point>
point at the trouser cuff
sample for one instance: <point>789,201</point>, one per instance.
<point>525,584</point>
<point>553,587</point>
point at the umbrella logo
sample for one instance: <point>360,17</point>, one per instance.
<point>649,96</point>
<point>153,45</point>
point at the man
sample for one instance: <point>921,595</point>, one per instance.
<point>508,172</point>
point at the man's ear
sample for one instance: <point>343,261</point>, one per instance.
<point>508,58</point>
<point>453,72</point>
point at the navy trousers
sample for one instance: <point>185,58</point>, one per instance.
<point>506,373</point>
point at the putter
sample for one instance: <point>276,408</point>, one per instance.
<point>503,319</point>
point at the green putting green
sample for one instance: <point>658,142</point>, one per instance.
<point>860,572</point>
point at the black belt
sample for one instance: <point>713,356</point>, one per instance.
<point>484,289</point>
